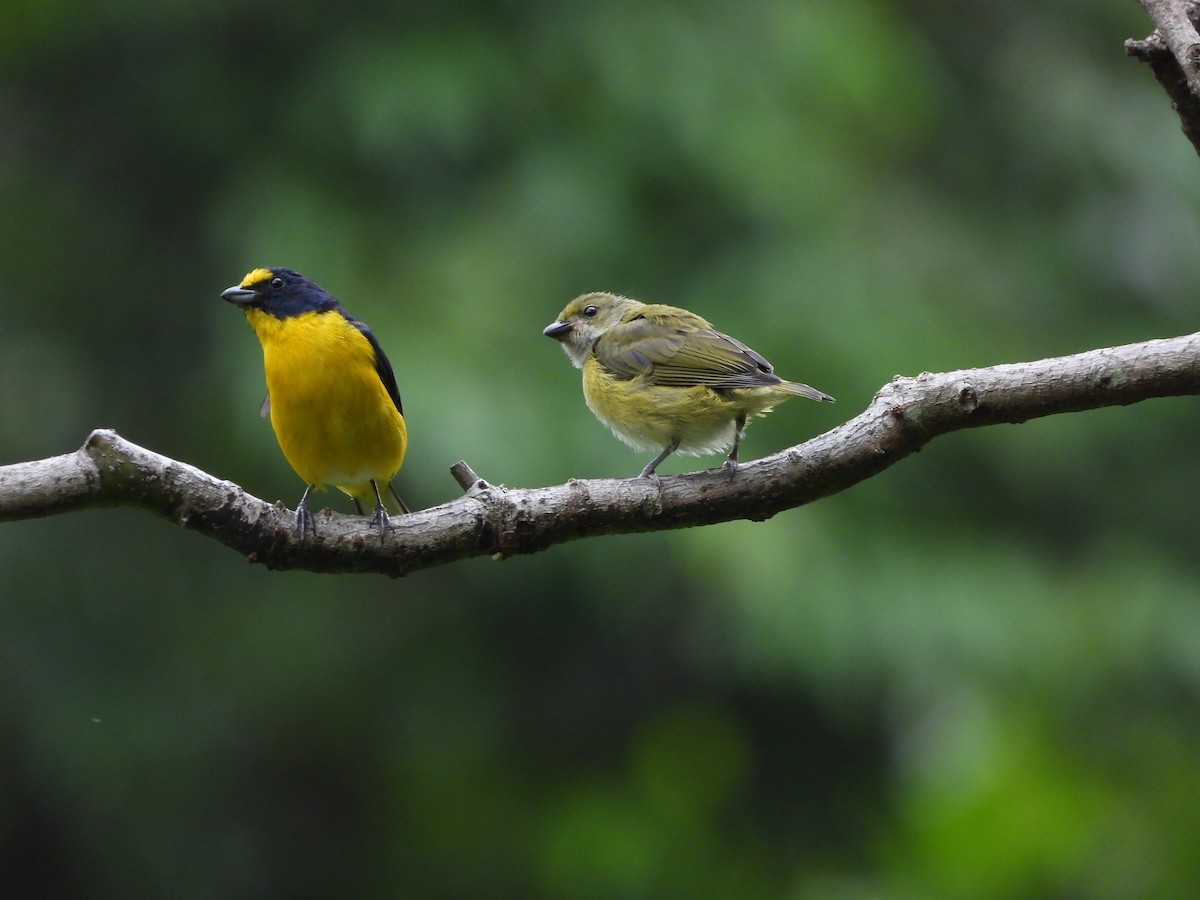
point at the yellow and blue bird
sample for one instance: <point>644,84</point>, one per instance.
<point>332,394</point>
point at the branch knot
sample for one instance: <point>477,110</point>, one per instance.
<point>967,397</point>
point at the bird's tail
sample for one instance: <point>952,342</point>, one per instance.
<point>364,496</point>
<point>804,390</point>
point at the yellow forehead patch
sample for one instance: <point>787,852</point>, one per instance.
<point>254,276</point>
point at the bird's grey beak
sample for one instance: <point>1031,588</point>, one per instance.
<point>557,330</point>
<point>239,295</point>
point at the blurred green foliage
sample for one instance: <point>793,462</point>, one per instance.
<point>977,675</point>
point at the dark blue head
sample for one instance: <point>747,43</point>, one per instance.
<point>280,293</point>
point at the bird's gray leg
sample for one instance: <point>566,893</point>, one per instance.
<point>403,508</point>
<point>304,518</point>
<point>380,518</point>
<point>648,472</point>
<point>739,426</point>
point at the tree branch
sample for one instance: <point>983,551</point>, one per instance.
<point>492,520</point>
<point>1173,53</point>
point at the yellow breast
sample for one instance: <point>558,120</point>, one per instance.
<point>649,416</point>
<point>334,420</point>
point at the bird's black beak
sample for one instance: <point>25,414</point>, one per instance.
<point>557,330</point>
<point>238,295</point>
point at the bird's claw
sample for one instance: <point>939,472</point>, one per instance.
<point>304,522</point>
<point>381,522</point>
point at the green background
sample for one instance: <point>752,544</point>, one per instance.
<point>976,675</point>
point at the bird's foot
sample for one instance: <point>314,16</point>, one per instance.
<point>648,472</point>
<point>650,475</point>
<point>380,521</point>
<point>305,523</point>
<point>304,518</point>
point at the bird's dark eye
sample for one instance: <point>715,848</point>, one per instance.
<point>277,282</point>
<point>590,311</point>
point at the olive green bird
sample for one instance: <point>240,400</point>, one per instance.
<point>662,378</point>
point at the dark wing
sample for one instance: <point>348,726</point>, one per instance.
<point>681,354</point>
<point>382,365</point>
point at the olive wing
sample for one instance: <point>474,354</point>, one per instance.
<point>680,354</point>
